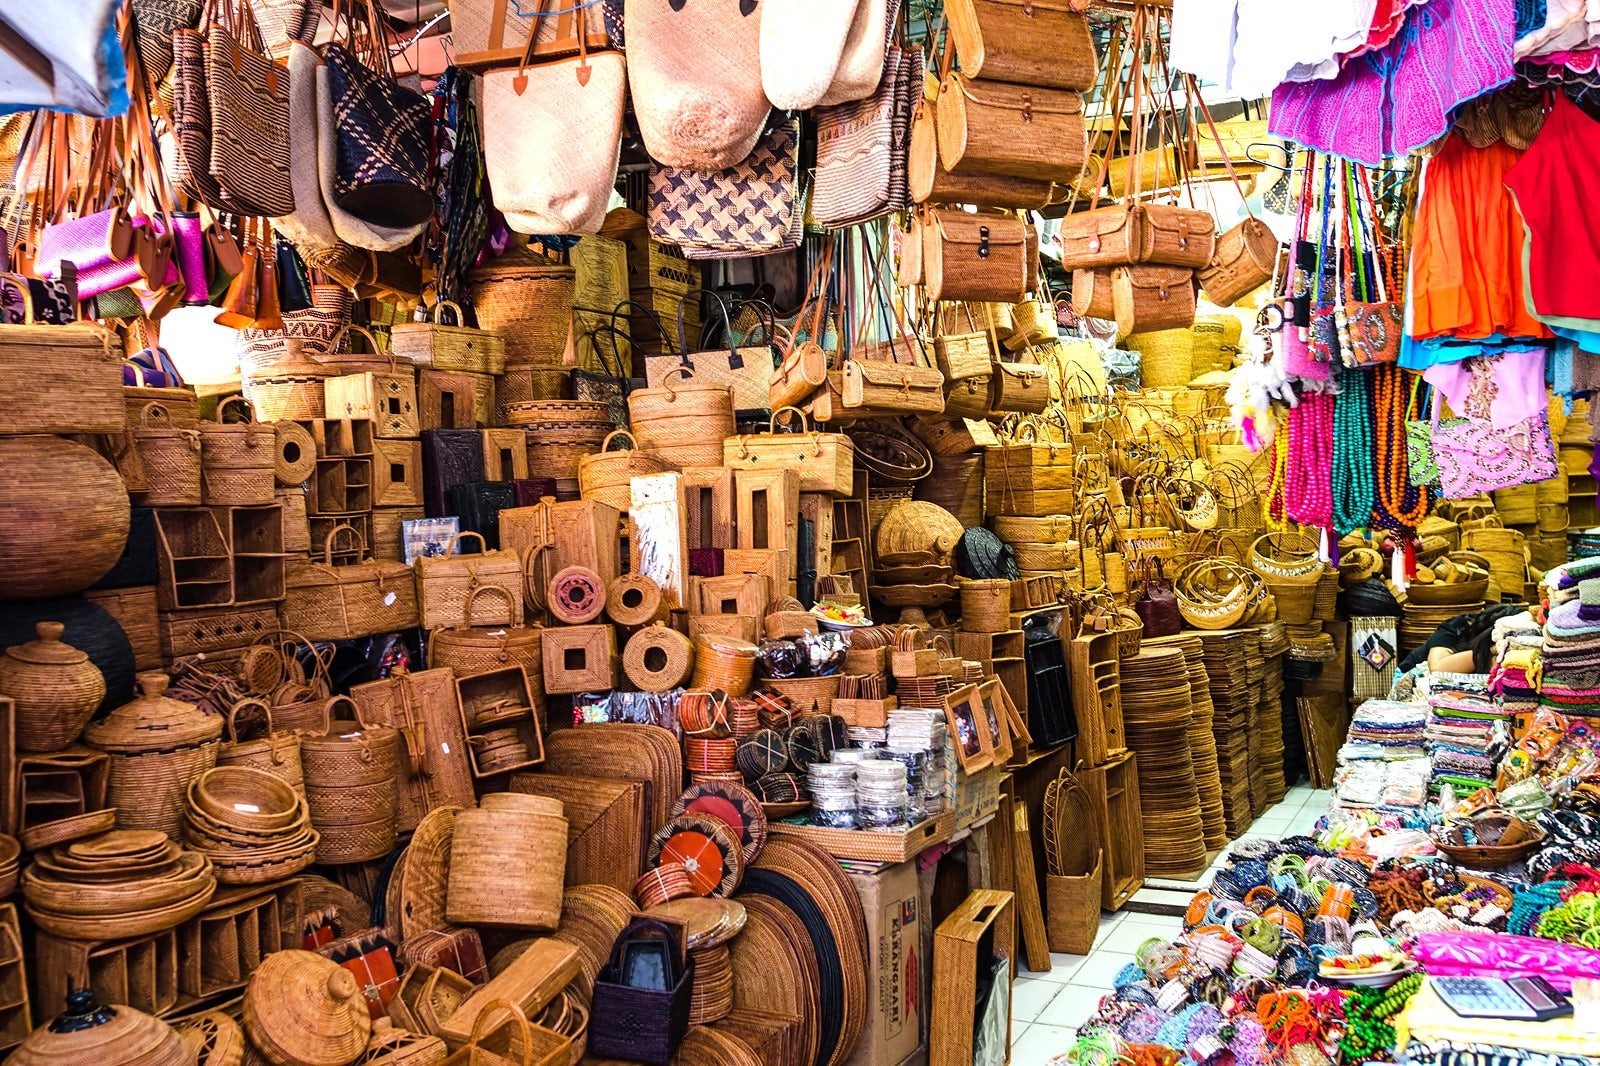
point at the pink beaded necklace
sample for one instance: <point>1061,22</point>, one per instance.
<point>1308,479</point>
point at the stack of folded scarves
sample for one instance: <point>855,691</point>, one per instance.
<point>1569,676</point>
<point>1465,730</point>
<point>1386,729</point>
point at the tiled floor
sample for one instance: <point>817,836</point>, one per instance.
<point>1047,1008</point>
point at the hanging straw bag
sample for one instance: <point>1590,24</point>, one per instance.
<point>981,258</point>
<point>802,42</point>
<point>746,371</point>
<point>696,72</point>
<point>1025,42</point>
<point>552,137</point>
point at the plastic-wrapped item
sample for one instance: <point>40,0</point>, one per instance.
<point>1525,798</point>
<point>781,659</point>
<point>636,708</point>
<point>824,652</point>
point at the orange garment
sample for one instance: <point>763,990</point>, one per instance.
<point>1466,248</point>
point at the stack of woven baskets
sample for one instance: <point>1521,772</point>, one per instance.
<point>128,882</point>
<point>252,825</point>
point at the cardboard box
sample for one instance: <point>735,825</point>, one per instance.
<point>899,946</point>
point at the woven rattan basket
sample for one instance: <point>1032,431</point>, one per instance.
<point>529,305</point>
<point>507,861</point>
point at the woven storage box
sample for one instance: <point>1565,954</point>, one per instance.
<point>528,305</point>
<point>507,861</point>
<point>1072,911</point>
<point>352,786</point>
<point>73,376</point>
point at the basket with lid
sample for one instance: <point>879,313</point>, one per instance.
<point>325,601</point>
<point>433,343</point>
<point>238,460</point>
<point>157,746</point>
<point>170,456</point>
<point>607,476</point>
<point>305,1010</point>
<point>445,581</point>
<point>352,784</point>
<point>292,389</point>
<point>276,753</point>
<point>684,421</point>
<point>106,1036</point>
<point>472,648</point>
<point>55,687</point>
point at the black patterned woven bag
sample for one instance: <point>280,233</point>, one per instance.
<point>249,102</point>
<point>752,208</point>
<point>382,128</point>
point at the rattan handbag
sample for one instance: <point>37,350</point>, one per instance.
<point>1212,594</point>
<point>327,602</point>
<point>445,581</point>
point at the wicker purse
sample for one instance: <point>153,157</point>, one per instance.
<point>327,602</point>
<point>444,583</point>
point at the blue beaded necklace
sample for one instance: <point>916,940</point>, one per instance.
<point>1355,486</point>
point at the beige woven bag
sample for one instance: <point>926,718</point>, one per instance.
<point>696,73</point>
<point>552,138</point>
<point>802,42</point>
<point>861,66</point>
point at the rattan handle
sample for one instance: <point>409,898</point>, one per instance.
<point>377,349</point>
<point>27,302</point>
<point>473,593</point>
<point>533,589</point>
<point>222,406</point>
<point>517,1016</point>
<point>233,735</point>
<point>355,709</point>
<point>449,548</point>
<point>605,445</point>
<point>327,546</point>
<point>438,313</point>
<point>667,935</point>
<point>805,421</point>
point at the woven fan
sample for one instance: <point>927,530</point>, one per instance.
<point>415,900</point>
<point>1071,843</point>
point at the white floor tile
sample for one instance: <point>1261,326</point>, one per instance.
<point>1127,937</point>
<point>1030,996</point>
<point>1062,967</point>
<point>1162,921</point>
<point>1041,1044</point>
<point>1074,1006</point>
<point>1270,825</point>
<point>1101,968</point>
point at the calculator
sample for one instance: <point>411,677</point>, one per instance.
<point>1531,999</point>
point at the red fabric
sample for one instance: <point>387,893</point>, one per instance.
<point>1557,186</point>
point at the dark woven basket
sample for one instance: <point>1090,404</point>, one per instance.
<point>640,1024</point>
<point>138,563</point>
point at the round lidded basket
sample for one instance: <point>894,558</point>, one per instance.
<point>683,422</point>
<point>468,649</point>
<point>55,687</point>
<point>352,785</point>
<point>607,476</point>
<point>170,457</point>
<point>301,1009</point>
<point>290,390</point>
<point>158,745</point>
<point>508,862</point>
<point>106,1036</point>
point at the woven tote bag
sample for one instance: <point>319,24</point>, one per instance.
<point>802,42</point>
<point>249,125</point>
<point>861,67</point>
<point>696,72</point>
<point>751,208</point>
<point>552,140</point>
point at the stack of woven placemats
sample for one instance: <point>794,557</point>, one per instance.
<point>1155,715</point>
<point>252,825</point>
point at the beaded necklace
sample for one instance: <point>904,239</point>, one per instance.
<point>1308,495</point>
<point>1401,505</point>
<point>1354,486</point>
<point>1276,516</point>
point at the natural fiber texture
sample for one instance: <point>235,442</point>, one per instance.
<point>301,1009</point>
<point>506,866</point>
<point>51,484</point>
<point>528,304</point>
<point>657,659</point>
<point>296,456</point>
<point>711,121</point>
<point>634,600</point>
